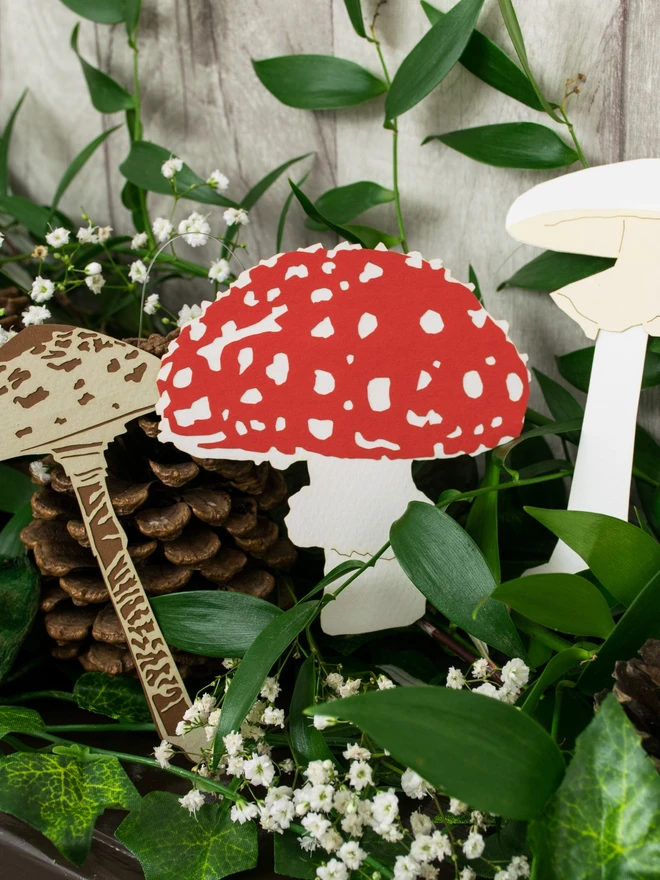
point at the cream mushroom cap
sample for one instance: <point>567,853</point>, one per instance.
<point>585,212</point>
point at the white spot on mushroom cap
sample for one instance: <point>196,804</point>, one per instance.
<point>431,322</point>
<point>256,425</point>
<point>436,364</point>
<point>472,384</point>
<point>240,428</point>
<point>490,360</point>
<point>273,293</point>
<point>370,271</point>
<point>165,371</point>
<point>244,278</point>
<point>312,248</point>
<point>378,394</point>
<point>196,329</point>
<point>479,429</point>
<point>230,333</point>
<point>278,370</point>
<point>348,404</point>
<point>414,259</point>
<point>324,382</point>
<point>182,378</point>
<point>424,380</point>
<point>435,264</point>
<point>197,411</point>
<point>328,267</point>
<point>163,403</point>
<point>321,294</point>
<point>431,418</point>
<point>374,444</point>
<point>280,423</point>
<point>344,285</point>
<point>320,428</point>
<point>245,358</point>
<point>350,358</point>
<point>344,246</point>
<point>503,325</point>
<point>252,395</point>
<point>366,325</point>
<point>250,299</point>
<point>296,272</point>
<point>478,316</point>
<point>380,246</point>
<point>455,433</point>
<point>225,414</point>
<point>323,329</point>
<point>271,261</point>
<point>515,387</point>
<point>505,439</point>
<point>497,421</point>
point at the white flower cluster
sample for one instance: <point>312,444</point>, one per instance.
<point>515,675</point>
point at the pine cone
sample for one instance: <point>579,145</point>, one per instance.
<point>637,688</point>
<point>191,524</point>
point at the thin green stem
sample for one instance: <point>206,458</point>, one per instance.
<point>38,695</point>
<point>15,259</point>
<point>540,633</point>
<point>118,726</point>
<point>556,714</point>
<point>514,484</point>
<point>574,138</point>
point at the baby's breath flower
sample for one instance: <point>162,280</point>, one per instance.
<point>351,687</point>
<point>351,854</point>
<point>467,874</point>
<point>35,315</point>
<point>442,845</point>
<point>192,801</point>
<point>331,841</point>
<point>455,678</point>
<point>503,875</point>
<point>385,807</point>
<point>170,167</point>
<point>420,823</point>
<point>515,673</point>
<point>456,807</point>
<point>360,775</point>
<point>478,819</point>
<point>235,765</point>
<point>519,867</point>
<point>138,272</point>
<point>319,772</point>
<point>243,811</point>
<point>320,798</point>
<point>423,849</point>
<point>42,289</point>
<point>162,229</point>
<point>488,690</point>
<point>219,271</point>
<point>428,872</point>
<point>188,314</point>
<point>95,282</point>
<point>315,824</point>
<point>236,217</point>
<point>509,694</point>
<point>152,304</point>
<point>273,717</point>
<point>473,845</point>
<point>252,731</point>
<point>218,181</point>
<point>233,742</point>
<point>163,753</point>
<point>406,868</point>
<point>58,237</point>
<point>139,240</point>
<point>480,668</point>
<point>39,253</point>
<point>334,681</point>
<point>93,269</point>
<point>308,844</point>
<point>195,229</point>
<point>259,770</point>
<point>334,870</point>
<point>270,690</point>
<point>87,235</point>
<point>414,786</point>
<point>104,233</point>
<point>356,752</point>
<point>229,662</point>
<point>256,712</point>
<point>322,722</point>
<point>39,472</point>
<point>390,833</point>
<point>384,683</point>
<point>287,766</point>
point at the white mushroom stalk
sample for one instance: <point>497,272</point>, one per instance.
<point>611,211</point>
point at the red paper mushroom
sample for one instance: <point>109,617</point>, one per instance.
<point>358,361</point>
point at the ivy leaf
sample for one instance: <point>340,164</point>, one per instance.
<point>603,820</point>
<point>170,844</point>
<point>100,11</point>
<point>114,696</point>
<point>510,145</point>
<point>16,719</point>
<point>553,269</point>
<point>106,94</point>
<point>318,82</point>
<point>344,203</point>
<point>19,601</point>
<point>63,796</point>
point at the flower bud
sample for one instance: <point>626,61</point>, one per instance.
<point>93,269</point>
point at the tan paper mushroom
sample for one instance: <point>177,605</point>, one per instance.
<point>606,211</point>
<point>69,392</point>
<point>357,361</point>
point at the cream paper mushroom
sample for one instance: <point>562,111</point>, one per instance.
<point>606,211</point>
<point>68,392</point>
<point>357,361</point>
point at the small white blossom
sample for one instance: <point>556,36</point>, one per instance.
<point>219,271</point>
<point>87,235</point>
<point>273,717</point>
<point>420,823</point>
<point>6,335</point>
<point>384,683</point>
<point>188,314</point>
<point>231,662</point>
<point>139,240</point>
<point>42,289</point>
<point>319,772</point>
<point>351,687</point>
<point>351,854</point>
<point>385,807</point>
<point>390,833</point>
<point>256,712</point>
<point>152,304</point>
<point>195,229</point>
<point>423,848</point>
<point>181,728</point>
<point>162,229</point>
<point>58,237</point>
<point>270,690</point>
<point>334,681</point>
<point>320,798</point>
<point>259,770</point>
<point>95,282</point>
<point>478,819</point>
<point>503,875</point>
<point>308,844</point>
<point>334,870</point>
<point>519,867</point>
<point>331,841</point>
<point>252,731</point>
<point>170,167</point>
<point>406,868</point>
<point>218,181</point>
<point>93,269</point>
<point>35,315</point>
<point>456,807</point>
<point>39,472</point>
<point>322,722</point>
<point>442,843</point>
<point>488,690</point>
<point>509,694</point>
<point>138,272</point>
<point>360,775</point>
<point>236,217</point>
<point>428,872</point>
<point>473,845</point>
<point>455,678</point>
<point>104,233</point>
<point>233,742</point>
<point>243,811</point>
<point>315,824</point>
<point>414,786</point>
<point>163,753</point>
<point>235,765</point>
<point>356,752</point>
<point>467,874</point>
<point>515,673</point>
<point>287,766</point>
<point>192,801</point>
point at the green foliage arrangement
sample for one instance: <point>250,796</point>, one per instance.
<point>463,747</point>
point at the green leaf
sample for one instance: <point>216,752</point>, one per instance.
<point>575,367</point>
<point>552,270</point>
<point>307,743</point>
<point>603,820</point>
<point>16,489</point>
<point>510,145</point>
<point>556,667</point>
<point>621,556</point>
<point>511,771</point>
<point>170,844</point>
<point>290,860</point>
<point>354,9</point>
<point>371,237</point>
<point>190,621</point>
<point>78,164</point>
<point>429,62</point>
<point>16,719</point>
<point>281,223</point>
<point>318,82</point>
<point>561,403</point>
<point>501,454</point>
<point>10,536</point>
<point>114,696</point>
<point>472,278</point>
<point>490,64</point>
<point>142,168</point>
<point>565,602</point>
<point>27,213</point>
<point>4,146</point>
<point>251,673</point>
<point>19,602</point>
<point>445,564</point>
<point>253,196</point>
<point>647,454</point>
<point>100,11</point>
<point>481,523</point>
<point>106,94</point>
<point>312,212</point>
<point>63,796</point>
<point>344,203</point>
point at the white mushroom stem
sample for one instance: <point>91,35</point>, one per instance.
<point>601,480</point>
<point>348,509</point>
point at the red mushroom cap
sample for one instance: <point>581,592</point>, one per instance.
<point>349,353</point>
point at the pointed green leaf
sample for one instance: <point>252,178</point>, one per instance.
<point>472,278</point>
<point>445,564</point>
<point>511,770</point>
<point>4,146</point>
<point>78,164</point>
<point>100,11</point>
<point>552,428</point>
<point>490,64</point>
<point>603,820</point>
<point>344,203</point>
<point>318,82</point>
<point>575,367</point>
<point>313,212</point>
<point>27,213</point>
<point>370,237</point>
<point>510,145</point>
<point>552,270</point>
<point>354,10</point>
<point>429,62</point>
<point>16,719</point>
<point>114,696</point>
<point>555,669</point>
<point>482,524</point>
<point>307,743</point>
<point>106,94</point>
<point>63,796</point>
<point>19,602</point>
<point>561,403</point>
<point>253,196</point>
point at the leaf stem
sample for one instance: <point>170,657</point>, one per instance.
<point>540,633</point>
<point>556,713</point>
<point>571,131</point>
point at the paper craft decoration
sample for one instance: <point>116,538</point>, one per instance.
<point>357,361</point>
<point>69,392</point>
<point>606,211</point>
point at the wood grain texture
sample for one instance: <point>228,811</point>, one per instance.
<point>202,100</point>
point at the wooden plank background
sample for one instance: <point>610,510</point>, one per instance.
<point>202,100</point>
